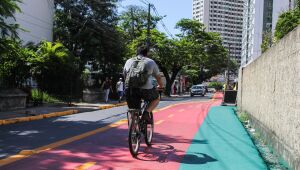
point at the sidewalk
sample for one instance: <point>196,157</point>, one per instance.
<point>52,110</point>
<point>222,143</point>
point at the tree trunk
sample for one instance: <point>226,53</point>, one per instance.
<point>170,80</point>
<point>201,75</point>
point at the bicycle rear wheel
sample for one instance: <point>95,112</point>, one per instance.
<point>134,139</point>
<point>149,130</point>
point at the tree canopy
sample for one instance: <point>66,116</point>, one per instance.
<point>89,30</point>
<point>287,21</point>
<point>7,11</point>
<point>194,50</point>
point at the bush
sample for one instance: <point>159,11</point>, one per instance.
<point>39,96</point>
<point>56,70</point>
<point>216,85</point>
<point>287,21</point>
<point>14,63</point>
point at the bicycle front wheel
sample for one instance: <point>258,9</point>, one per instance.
<point>134,139</point>
<point>149,130</point>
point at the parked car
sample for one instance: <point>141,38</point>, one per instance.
<point>197,90</point>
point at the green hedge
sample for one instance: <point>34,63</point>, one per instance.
<point>287,21</point>
<point>216,85</point>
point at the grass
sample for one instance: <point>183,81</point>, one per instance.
<point>273,161</point>
<point>39,96</point>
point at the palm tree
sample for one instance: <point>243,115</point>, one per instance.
<point>7,10</point>
<point>54,68</point>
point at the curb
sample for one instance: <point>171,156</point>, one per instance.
<point>53,114</point>
<point>112,105</point>
<point>37,117</point>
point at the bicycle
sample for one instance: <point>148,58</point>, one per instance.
<point>137,128</point>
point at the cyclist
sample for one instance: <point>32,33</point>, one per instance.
<point>147,91</point>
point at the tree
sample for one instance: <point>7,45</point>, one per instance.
<point>287,21</point>
<point>7,10</point>
<point>14,64</point>
<point>89,30</point>
<point>267,41</point>
<point>134,21</point>
<point>206,49</point>
<point>194,48</point>
<point>55,69</point>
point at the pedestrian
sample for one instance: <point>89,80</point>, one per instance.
<point>106,88</point>
<point>120,89</point>
<point>175,89</point>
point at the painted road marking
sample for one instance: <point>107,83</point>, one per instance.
<point>26,154</point>
<point>48,147</point>
<point>85,166</point>
<point>170,116</point>
<point>181,110</point>
<point>159,122</point>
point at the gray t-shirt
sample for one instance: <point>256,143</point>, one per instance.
<point>151,67</point>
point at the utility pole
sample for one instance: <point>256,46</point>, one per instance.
<point>148,28</point>
<point>227,70</point>
<point>132,23</point>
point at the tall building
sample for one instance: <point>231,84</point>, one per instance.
<point>260,16</point>
<point>36,20</point>
<point>224,17</point>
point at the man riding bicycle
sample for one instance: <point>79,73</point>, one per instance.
<point>139,72</point>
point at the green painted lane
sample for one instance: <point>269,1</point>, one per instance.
<point>222,143</point>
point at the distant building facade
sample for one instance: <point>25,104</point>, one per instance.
<point>260,16</point>
<point>36,19</point>
<point>224,17</point>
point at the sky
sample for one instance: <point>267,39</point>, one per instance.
<point>173,9</point>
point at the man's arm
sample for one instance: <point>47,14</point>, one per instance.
<point>157,76</point>
<point>159,81</point>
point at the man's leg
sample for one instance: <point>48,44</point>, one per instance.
<point>152,96</point>
<point>106,95</point>
<point>152,105</point>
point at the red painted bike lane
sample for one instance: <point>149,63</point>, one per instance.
<point>174,129</point>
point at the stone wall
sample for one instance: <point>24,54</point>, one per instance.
<point>269,90</point>
<point>12,99</point>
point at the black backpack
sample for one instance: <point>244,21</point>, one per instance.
<point>137,74</point>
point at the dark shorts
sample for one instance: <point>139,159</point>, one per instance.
<point>134,96</point>
<point>120,93</point>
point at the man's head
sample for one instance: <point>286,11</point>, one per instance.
<point>142,50</point>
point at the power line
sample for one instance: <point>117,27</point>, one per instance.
<point>162,23</point>
<point>146,3</point>
<point>18,18</point>
<point>37,18</point>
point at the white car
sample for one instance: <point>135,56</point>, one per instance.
<point>197,90</point>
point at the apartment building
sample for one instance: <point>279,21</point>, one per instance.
<point>224,17</point>
<point>260,16</point>
<point>36,20</point>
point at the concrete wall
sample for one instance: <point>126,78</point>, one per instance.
<point>12,99</point>
<point>269,90</point>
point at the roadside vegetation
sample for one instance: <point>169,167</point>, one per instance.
<point>92,37</point>
<point>272,160</point>
<point>216,85</point>
<point>287,22</point>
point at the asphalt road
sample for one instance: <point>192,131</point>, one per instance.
<point>30,135</point>
<point>189,133</point>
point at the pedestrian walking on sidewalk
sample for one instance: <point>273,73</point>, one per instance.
<point>120,89</point>
<point>175,89</point>
<point>107,88</point>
